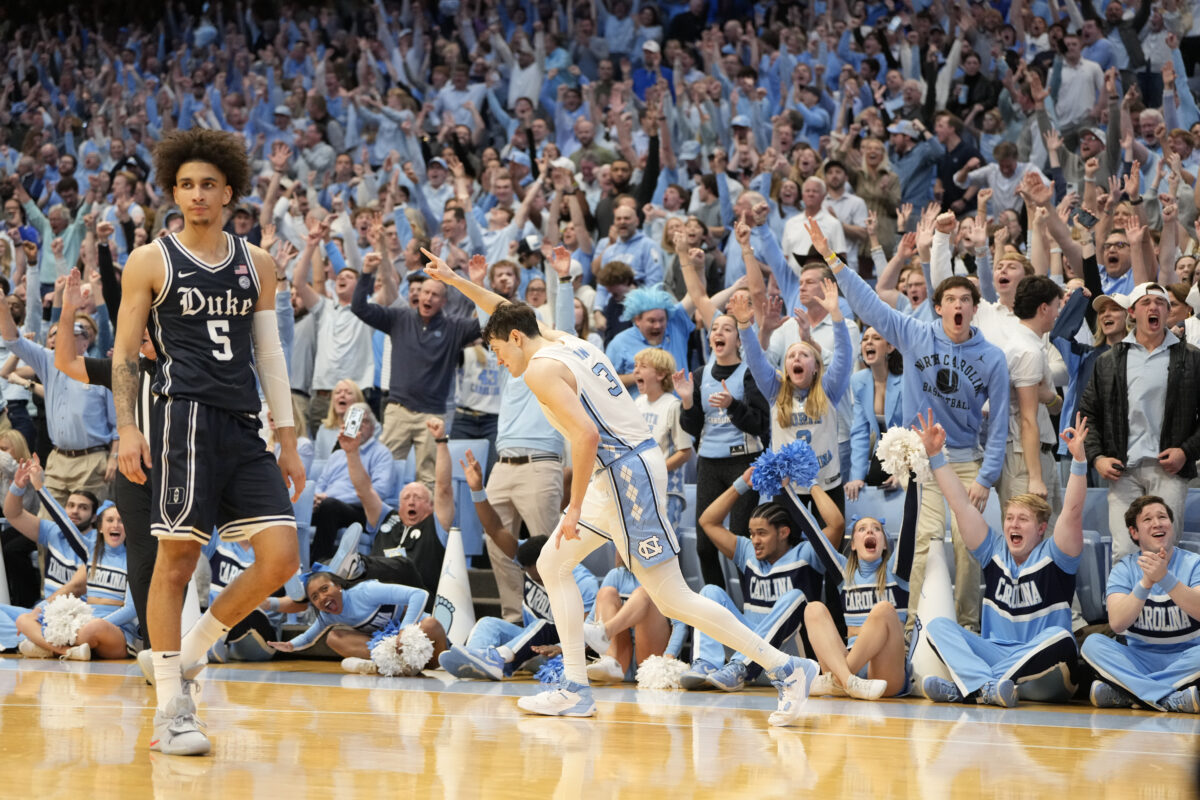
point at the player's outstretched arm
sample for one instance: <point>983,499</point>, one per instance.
<point>439,270</point>
<point>143,270</point>
<point>272,371</point>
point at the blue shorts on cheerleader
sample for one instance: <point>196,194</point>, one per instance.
<point>626,502</point>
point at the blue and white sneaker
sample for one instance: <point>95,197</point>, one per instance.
<point>566,700</point>
<point>997,693</point>
<point>1105,695</point>
<point>1185,701</point>
<point>729,678</point>
<point>792,680</point>
<point>940,690</point>
<point>697,675</point>
<point>482,665</point>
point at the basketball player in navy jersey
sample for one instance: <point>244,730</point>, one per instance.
<point>618,493</point>
<point>210,301</point>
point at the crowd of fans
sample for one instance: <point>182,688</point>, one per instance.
<point>1014,183</point>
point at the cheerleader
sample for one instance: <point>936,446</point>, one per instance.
<point>871,661</point>
<point>1154,602</point>
<point>64,562</point>
<point>806,396</point>
<point>1026,648</point>
<point>652,371</point>
<point>367,608</point>
<point>246,641</point>
<point>113,630</point>
<point>780,572</point>
<point>624,623</point>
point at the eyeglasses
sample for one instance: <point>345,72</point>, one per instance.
<point>1118,245</point>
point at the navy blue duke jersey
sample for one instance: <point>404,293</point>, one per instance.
<point>201,323</point>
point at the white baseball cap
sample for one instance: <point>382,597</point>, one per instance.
<point>1128,301</point>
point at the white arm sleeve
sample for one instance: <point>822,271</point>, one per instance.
<point>272,369</point>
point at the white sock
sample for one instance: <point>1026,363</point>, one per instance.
<point>166,677</point>
<point>203,635</point>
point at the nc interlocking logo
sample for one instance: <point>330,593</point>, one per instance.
<point>649,548</point>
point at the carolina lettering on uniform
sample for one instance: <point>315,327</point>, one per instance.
<point>193,301</point>
<point>108,578</point>
<point>58,571</point>
<point>228,571</point>
<point>537,600</point>
<point>769,589</point>
<point>864,599</point>
<point>1020,595</point>
<point>1163,619</point>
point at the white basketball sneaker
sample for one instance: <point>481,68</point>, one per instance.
<point>566,700</point>
<point>863,689</point>
<point>31,650</point>
<point>605,670</point>
<point>792,680</point>
<point>826,685</point>
<point>177,732</point>
<point>363,666</point>
<point>595,636</point>
<point>80,652</point>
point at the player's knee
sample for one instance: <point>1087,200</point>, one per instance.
<point>608,594</point>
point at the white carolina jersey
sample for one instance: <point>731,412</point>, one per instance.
<point>618,420</point>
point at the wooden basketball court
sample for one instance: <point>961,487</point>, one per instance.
<point>303,729</point>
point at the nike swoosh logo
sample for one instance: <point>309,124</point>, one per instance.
<point>187,274</point>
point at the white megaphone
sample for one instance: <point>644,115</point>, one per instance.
<point>453,606</point>
<point>937,600</point>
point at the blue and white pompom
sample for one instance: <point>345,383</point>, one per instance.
<point>402,655</point>
<point>62,618</point>
<point>796,462</point>
<point>901,451</point>
<point>551,672</point>
<point>660,672</point>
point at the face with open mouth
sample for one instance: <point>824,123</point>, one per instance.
<point>1154,531</point>
<point>957,310</point>
<point>723,339</point>
<point>874,348</point>
<point>1007,275</point>
<point>1150,315</point>
<point>1112,320</point>
<point>801,365</point>
<point>1115,254</point>
<point>1022,530</point>
<point>324,594</point>
<point>869,540</point>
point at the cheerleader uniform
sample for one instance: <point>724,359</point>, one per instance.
<point>368,607</point>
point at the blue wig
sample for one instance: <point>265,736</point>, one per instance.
<point>647,298</point>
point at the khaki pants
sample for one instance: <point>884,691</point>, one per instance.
<point>1134,482</point>
<point>1014,480</point>
<point>531,492</point>
<point>66,474</point>
<point>318,407</point>
<point>301,405</point>
<point>404,429</point>
<point>931,530</point>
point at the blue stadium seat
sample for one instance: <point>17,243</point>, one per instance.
<point>689,499</point>
<point>689,562</point>
<point>318,466</point>
<point>1191,512</point>
<point>875,502</point>
<point>733,581</point>
<point>1092,578</point>
<point>406,472</point>
<point>601,560</point>
<point>478,447</point>
<point>466,520</point>
<point>303,507</point>
<point>1095,512</point>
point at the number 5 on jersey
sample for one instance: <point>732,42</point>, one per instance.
<point>218,331</point>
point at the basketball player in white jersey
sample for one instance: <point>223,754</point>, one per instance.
<point>210,301</point>
<point>618,493</point>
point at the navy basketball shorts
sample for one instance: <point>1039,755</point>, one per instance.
<point>210,470</point>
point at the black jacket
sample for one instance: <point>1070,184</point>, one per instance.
<point>1105,403</point>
